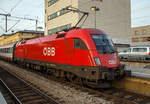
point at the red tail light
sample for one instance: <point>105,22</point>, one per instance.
<point>149,53</point>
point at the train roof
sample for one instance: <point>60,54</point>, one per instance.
<point>7,46</point>
<point>73,33</point>
<point>81,33</point>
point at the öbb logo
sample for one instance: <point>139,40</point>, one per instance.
<point>49,51</point>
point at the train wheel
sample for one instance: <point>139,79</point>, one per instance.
<point>71,77</point>
<point>56,73</point>
<point>84,82</point>
<point>67,76</point>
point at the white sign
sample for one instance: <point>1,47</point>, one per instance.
<point>49,51</point>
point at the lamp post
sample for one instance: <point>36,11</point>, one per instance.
<point>95,9</point>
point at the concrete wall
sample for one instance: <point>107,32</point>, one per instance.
<point>114,17</point>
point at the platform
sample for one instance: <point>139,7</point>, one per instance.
<point>139,82</point>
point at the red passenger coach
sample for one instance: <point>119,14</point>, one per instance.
<point>87,55</point>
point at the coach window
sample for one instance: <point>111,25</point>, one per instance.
<point>78,43</point>
<point>135,50</point>
<point>144,32</point>
<point>9,50</point>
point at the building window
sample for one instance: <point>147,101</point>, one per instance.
<point>144,31</point>
<point>144,39</point>
<point>135,39</point>
<point>63,11</point>
<point>52,16</point>
<point>45,11</point>
<point>148,38</point>
<point>58,29</point>
<point>59,13</point>
<point>136,32</point>
<point>51,2</point>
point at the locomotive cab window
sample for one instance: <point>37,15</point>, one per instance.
<point>78,43</point>
<point>103,43</point>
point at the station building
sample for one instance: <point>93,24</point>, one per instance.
<point>20,35</point>
<point>113,17</point>
<point>140,36</point>
<point>4,36</point>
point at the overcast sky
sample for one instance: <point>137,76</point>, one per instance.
<point>140,12</point>
<point>34,9</point>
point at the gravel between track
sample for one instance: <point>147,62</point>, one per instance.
<point>64,94</point>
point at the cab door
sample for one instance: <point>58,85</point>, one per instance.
<point>68,50</point>
<point>80,53</point>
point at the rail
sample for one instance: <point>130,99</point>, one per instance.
<point>17,101</point>
<point>23,92</point>
<point>40,92</point>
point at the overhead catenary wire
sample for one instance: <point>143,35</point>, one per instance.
<point>3,10</point>
<point>23,18</point>
<point>16,5</point>
<point>2,28</point>
<point>14,25</point>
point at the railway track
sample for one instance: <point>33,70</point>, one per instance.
<point>116,95</point>
<point>17,91</point>
<point>7,94</point>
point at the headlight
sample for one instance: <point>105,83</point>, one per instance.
<point>97,61</point>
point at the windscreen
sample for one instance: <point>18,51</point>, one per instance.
<point>103,43</point>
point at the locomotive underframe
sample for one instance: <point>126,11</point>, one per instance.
<point>93,76</point>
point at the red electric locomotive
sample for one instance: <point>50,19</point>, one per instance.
<point>86,55</point>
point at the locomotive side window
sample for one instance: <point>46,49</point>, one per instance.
<point>78,43</point>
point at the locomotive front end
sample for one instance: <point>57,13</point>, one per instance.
<point>107,59</point>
